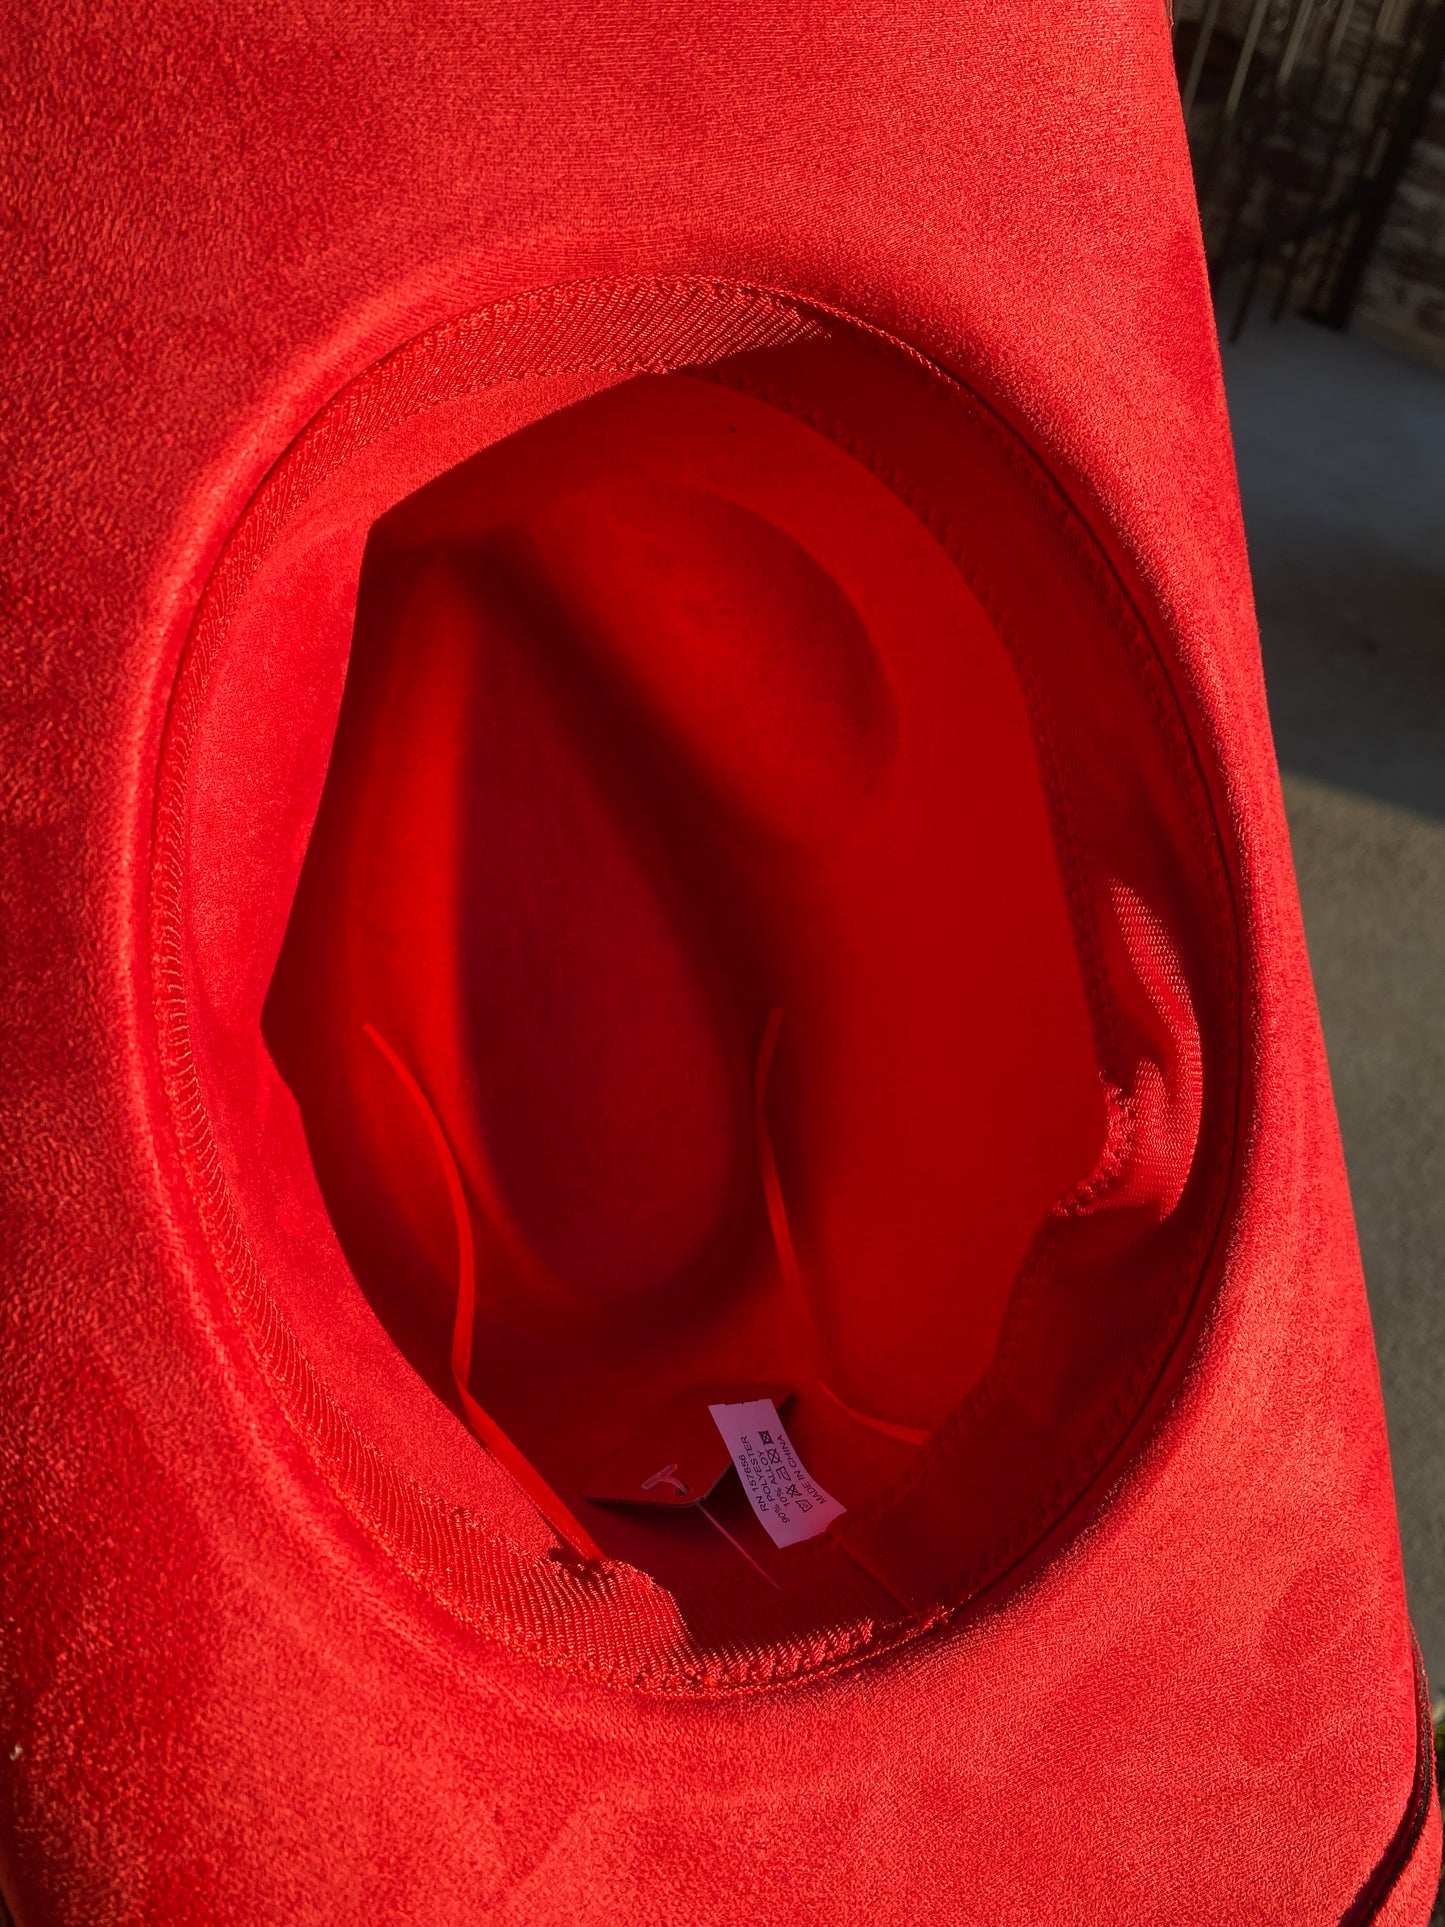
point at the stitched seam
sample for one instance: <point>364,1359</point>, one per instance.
<point>1106,1436</point>
<point>390,1504</point>
<point>1394,1862</point>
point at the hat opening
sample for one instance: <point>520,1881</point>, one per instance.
<point>755,926</point>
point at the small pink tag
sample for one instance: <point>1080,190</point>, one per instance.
<point>790,1505</point>
<point>672,1456</point>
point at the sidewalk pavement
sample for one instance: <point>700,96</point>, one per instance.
<point>1341,452</point>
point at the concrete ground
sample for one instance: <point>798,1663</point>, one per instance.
<point>1341,451</point>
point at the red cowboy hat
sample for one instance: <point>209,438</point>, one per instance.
<point>677,1250</point>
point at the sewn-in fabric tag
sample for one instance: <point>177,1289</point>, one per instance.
<point>790,1505</point>
<point>671,1456</point>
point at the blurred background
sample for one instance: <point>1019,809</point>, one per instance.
<point>1317,131</point>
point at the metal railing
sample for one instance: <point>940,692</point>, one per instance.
<point>1301,116</point>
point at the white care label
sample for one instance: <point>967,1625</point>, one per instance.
<point>790,1505</point>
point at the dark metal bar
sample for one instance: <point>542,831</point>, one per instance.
<point>1207,24</point>
<point>1289,180</point>
<point>1303,229</point>
<point>1342,128</point>
<point>1264,126</point>
<point>1325,176</point>
<point>1206,174</point>
<point>1327,273</point>
<point>1381,188</point>
<point>1295,43</point>
<point>1245,61</point>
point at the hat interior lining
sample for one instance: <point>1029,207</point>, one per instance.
<point>662,713</point>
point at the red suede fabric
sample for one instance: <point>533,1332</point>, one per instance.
<point>1126,1640</point>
